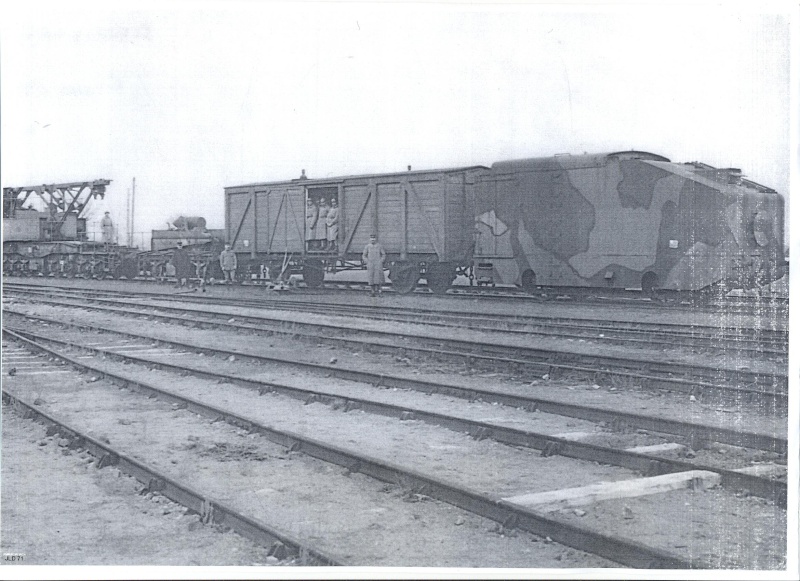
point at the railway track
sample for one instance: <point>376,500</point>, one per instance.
<point>282,545</point>
<point>732,305</point>
<point>694,435</point>
<point>743,341</point>
<point>516,398</point>
<point>510,511</point>
<point>765,389</point>
<point>241,382</point>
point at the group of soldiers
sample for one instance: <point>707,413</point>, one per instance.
<point>322,224</point>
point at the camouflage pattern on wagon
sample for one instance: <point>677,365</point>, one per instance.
<point>625,220</point>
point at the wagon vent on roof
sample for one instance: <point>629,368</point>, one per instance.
<point>726,175</point>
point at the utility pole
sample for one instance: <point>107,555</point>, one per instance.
<point>128,218</point>
<point>133,208</point>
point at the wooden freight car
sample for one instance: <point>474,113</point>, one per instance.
<point>422,218</point>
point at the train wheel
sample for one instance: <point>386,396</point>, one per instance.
<point>404,277</point>
<point>440,276</point>
<point>313,273</point>
<point>529,281</point>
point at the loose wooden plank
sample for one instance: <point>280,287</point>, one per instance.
<point>657,448</point>
<point>575,436</point>
<point>768,469</point>
<point>553,500</point>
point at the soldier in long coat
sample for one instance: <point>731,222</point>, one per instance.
<point>373,256</point>
<point>312,214</point>
<point>182,264</point>
<point>107,227</point>
<point>332,222</point>
<point>322,224</point>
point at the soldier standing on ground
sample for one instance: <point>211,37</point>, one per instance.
<point>227,261</point>
<point>182,264</point>
<point>107,227</point>
<point>332,221</point>
<point>373,256</point>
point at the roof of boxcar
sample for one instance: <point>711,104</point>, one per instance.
<point>336,179</point>
<point>690,171</point>
<point>567,161</point>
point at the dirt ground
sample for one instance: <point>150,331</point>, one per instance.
<point>355,518</point>
<point>58,509</point>
<point>753,531</point>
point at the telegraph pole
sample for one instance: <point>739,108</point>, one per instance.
<point>133,208</point>
<point>128,218</point>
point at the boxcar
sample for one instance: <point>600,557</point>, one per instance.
<point>618,220</point>
<point>420,217</point>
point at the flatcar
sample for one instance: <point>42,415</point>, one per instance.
<point>621,220</point>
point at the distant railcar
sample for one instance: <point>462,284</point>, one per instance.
<point>168,239</point>
<point>203,246</point>
<point>619,220</point>
<point>53,241</point>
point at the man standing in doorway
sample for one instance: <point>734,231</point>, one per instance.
<point>322,224</point>
<point>227,261</point>
<point>332,221</point>
<point>312,214</point>
<point>373,256</point>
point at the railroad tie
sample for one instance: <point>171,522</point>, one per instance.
<point>554,500</point>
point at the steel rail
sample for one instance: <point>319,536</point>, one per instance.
<point>518,322</point>
<point>496,321</point>
<point>211,511</point>
<point>695,433</point>
<point>732,305</point>
<point>561,328</point>
<point>549,361</point>
<point>647,464</point>
<point>623,551</point>
<point>588,296</point>
<point>686,370</point>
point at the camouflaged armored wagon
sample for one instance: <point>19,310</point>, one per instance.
<point>620,220</point>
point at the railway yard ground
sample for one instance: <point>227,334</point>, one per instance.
<point>148,425</point>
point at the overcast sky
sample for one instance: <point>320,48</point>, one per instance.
<point>190,98</point>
